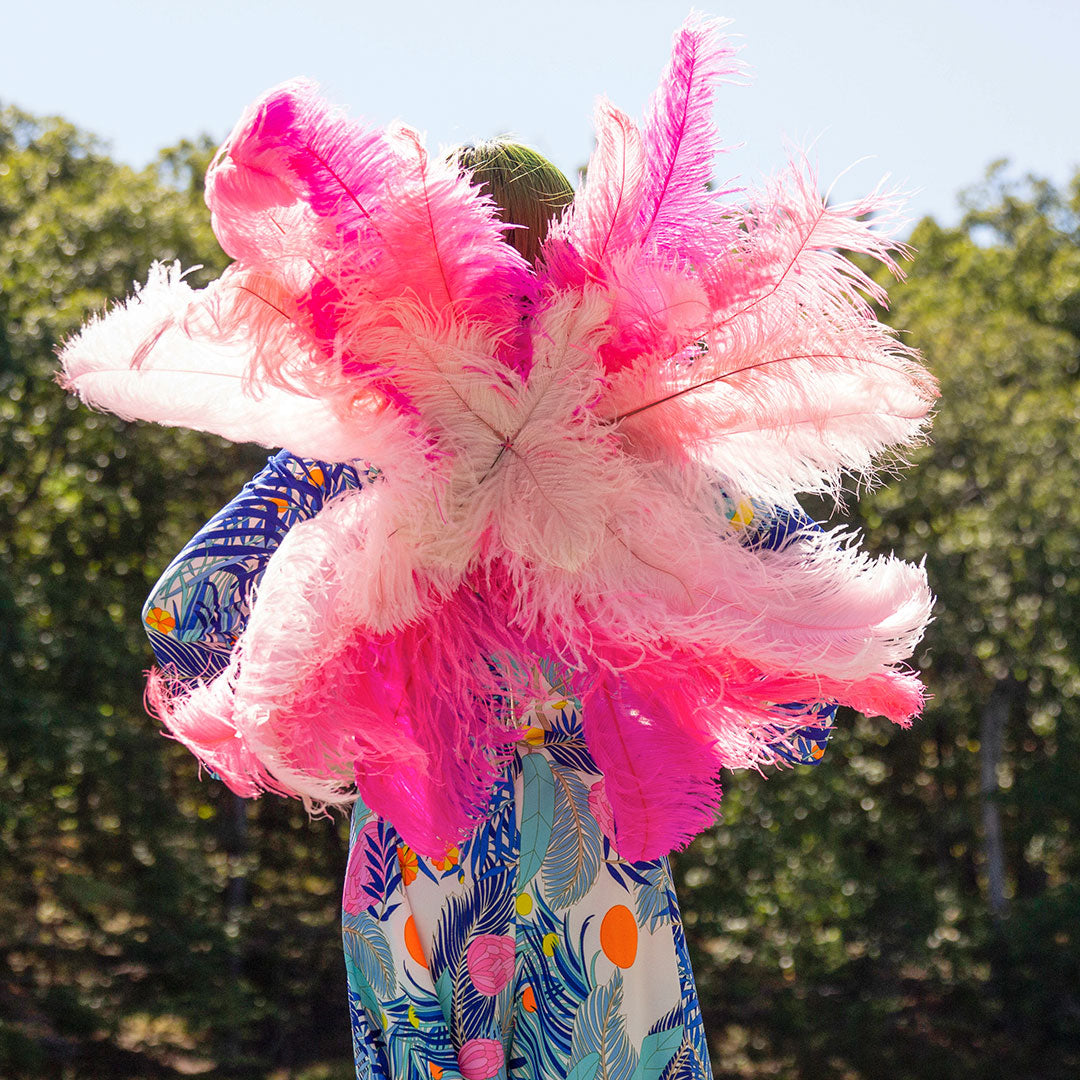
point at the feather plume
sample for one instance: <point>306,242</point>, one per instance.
<point>178,357</point>
<point>660,776</point>
<point>799,383</point>
<point>678,212</point>
<point>292,156</point>
<point>443,243</point>
<point>603,218</point>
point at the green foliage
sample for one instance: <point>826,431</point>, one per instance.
<point>123,950</point>
<point>842,913</point>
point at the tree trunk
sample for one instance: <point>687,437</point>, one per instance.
<point>991,749</point>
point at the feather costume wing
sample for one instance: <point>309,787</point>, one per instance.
<point>554,444</point>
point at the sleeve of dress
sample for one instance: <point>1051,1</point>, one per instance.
<point>773,528</point>
<point>200,605</point>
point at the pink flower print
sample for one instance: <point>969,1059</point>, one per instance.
<point>600,808</point>
<point>480,1059</point>
<point>490,958</point>
<point>358,873</point>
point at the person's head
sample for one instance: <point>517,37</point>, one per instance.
<point>527,189</point>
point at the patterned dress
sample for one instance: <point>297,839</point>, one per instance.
<point>532,951</point>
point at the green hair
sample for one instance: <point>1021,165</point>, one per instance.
<point>525,187</point>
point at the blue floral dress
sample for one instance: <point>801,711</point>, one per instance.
<point>530,952</point>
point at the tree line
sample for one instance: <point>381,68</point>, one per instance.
<point>909,907</point>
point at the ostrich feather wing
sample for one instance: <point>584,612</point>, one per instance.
<point>551,443</point>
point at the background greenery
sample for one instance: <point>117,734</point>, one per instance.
<point>908,909</point>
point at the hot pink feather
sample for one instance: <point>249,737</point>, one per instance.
<point>679,213</point>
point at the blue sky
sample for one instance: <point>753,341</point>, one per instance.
<point>929,92</point>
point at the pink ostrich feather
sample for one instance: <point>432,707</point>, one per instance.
<point>799,383</point>
<point>292,158</point>
<point>645,214</point>
<point>603,218</point>
<point>554,444</point>
<point>678,212</point>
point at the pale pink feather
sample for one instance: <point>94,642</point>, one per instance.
<point>182,357</point>
<point>604,217</point>
<point>798,383</point>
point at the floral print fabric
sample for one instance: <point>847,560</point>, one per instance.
<point>532,950</point>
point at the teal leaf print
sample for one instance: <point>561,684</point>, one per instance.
<point>574,852</point>
<point>444,988</point>
<point>599,1026</point>
<point>417,1035</point>
<point>367,947</point>
<point>585,1068</point>
<point>688,1063</point>
<point>360,987</point>
<point>537,816</point>
<point>357,820</point>
<point>657,1050</point>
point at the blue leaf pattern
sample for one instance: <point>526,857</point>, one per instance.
<point>485,909</point>
<point>366,945</point>
<point>654,897</point>
<point>575,848</point>
<point>600,1028</point>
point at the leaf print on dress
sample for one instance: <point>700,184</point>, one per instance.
<point>366,1043</point>
<point>367,947</point>
<point>691,1062</point>
<point>565,741</point>
<point>600,1028</point>
<point>494,845</point>
<point>487,907</point>
<point>670,1052</point>
<point>687,1063</point>
<point>653,899</point>
<point>657,1049</point>
<point>537,815</point>
<point>574,853</point>
<point>555,968</point>
<point>417,1038</point>
<point>360,892</point>
<point>379,863</point>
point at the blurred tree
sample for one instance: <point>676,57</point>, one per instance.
<point>116,955</point>
<point>911,908</point>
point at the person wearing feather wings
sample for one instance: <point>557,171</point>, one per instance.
<point>527,640</point>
